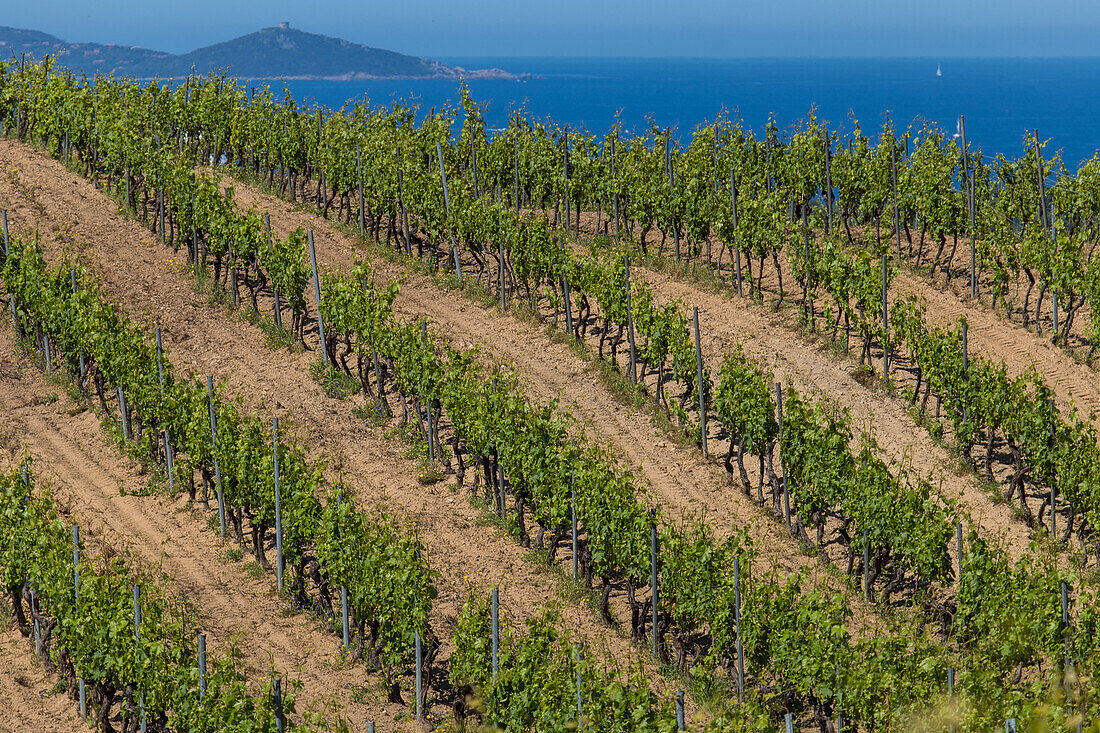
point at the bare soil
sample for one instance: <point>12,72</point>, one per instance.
<point>145,278</point>
<point>107,495</point>
<point>774,338</point>
<point>677,475</point>
<point>27,696</point>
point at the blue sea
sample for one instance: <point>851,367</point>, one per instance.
<point>1002,99</point>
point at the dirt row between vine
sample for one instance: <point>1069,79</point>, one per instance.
<point>548,369</point>
<point>145,278</point>
<point>101,490</point>
<point>1001,339</point>
<point>796,358</point>
<point>726,319</point>
<point>27,697</point>
<point>990,332</point>
<point>677,475</point>
<point>948,298</point>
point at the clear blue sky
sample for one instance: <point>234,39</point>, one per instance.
<point>703,28</point>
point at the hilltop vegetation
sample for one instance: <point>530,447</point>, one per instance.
<point>270,53</point>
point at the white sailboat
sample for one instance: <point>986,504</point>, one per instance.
<point>939,71</point>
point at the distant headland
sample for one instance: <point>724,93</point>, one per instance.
<point>279,52</point>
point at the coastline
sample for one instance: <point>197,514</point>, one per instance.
<point>478,74</point>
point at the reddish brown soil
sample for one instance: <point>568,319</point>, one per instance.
<point>99,489</point>
<point>144,277</point>
<point>27,698</point>
<point>774,339</point>
<point>996,337</point>
<point>991,333</point>
<point>678,477</point>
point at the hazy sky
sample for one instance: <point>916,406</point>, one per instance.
<point>714,28</point>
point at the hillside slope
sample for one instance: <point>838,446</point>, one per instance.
<point>277,52</point>
<point>87,58</point>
